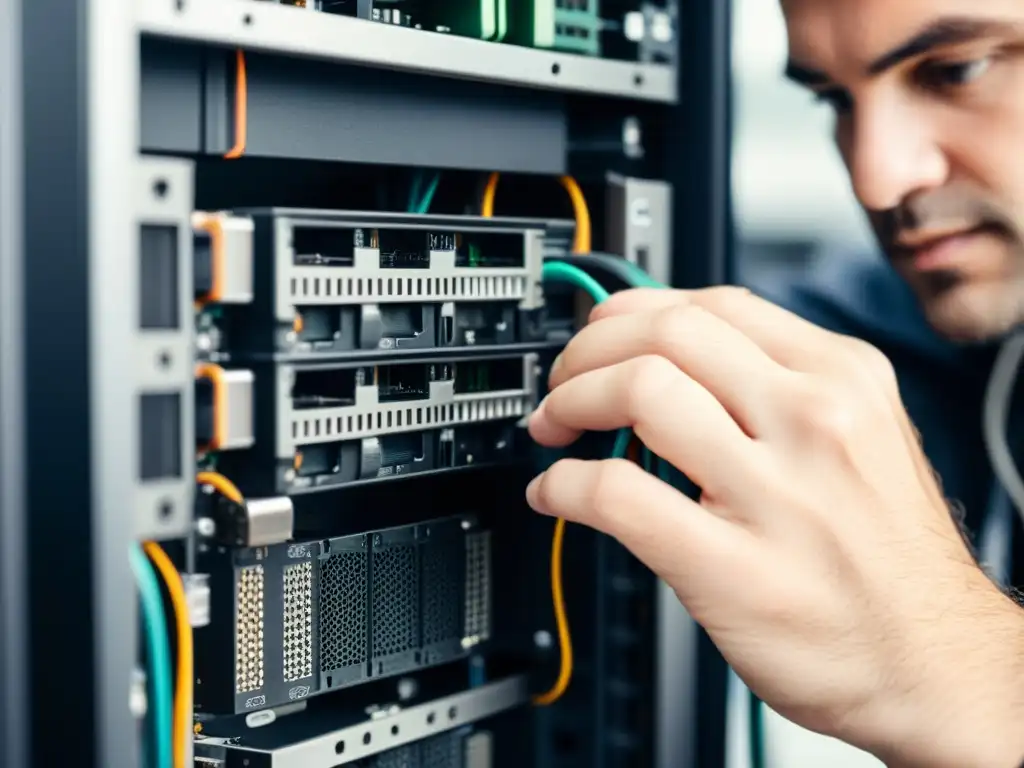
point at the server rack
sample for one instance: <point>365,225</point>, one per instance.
<point>75,78</point>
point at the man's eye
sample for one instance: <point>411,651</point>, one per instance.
<point>839,100</point>
<point>954,74</point>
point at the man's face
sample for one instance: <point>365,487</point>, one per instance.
<point>929,101</point>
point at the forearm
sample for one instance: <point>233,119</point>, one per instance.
<point>969,710</point>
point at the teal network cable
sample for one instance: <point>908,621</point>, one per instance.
<point>159,653</point>
<point>567,273</point>
<point>421,203</point>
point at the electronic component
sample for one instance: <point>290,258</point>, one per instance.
<point>333,282</point>
<point>331,424</point>
<point>294,620</point>
<point>573,26</point>
<point>638,224</point>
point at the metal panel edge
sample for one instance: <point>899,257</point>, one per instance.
<point>111,87</point>
<point>163,358</point>
<point>413,724</point>
<point>278,28</point>
<point>14,729</point>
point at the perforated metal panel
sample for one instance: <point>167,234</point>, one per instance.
<point>249,629</point>
<point>396,601</point>
<point>478,585</point>
<point>444,751</point>
<point>403,757</point>
<point>298,621</point>
<point>343,630</point>
<point>442,590</point>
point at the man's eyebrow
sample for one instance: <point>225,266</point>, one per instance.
<point>942,32</point>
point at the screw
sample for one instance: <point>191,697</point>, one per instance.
<point>542,638</point>
<point>206,527</point>
<point>289,475</point>
<point>376,540</point>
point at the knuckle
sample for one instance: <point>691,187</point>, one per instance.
<point>610,489</point>
<point>648,381</point>
<point>824,413</point>
<point>872,361</point>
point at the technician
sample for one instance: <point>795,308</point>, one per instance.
<point>822,557</point>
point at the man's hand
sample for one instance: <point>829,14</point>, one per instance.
<point>821,557</point>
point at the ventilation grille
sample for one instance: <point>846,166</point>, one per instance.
<point>342,611</point>
<point>444,751</point>
<point>330,424</point>
<point>298,621</point>
<point>442,590</point>
<point>309,287</point>
<point>249,630</point>
<point>402,757</point>
<point>396,607</point>
<point>478,585</point>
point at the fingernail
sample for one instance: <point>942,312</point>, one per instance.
<point>532,491</point>
<point>555,366</point>
<point>537,411</point>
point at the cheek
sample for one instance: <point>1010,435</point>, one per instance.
<point>984,142</point>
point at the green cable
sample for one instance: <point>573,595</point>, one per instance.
<point>756,714</point>
<point>566,273</point>
<point>414,192</point>
<point>159,653</point>
<point>428,196</point>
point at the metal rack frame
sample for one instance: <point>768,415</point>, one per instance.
<point>69,101</point>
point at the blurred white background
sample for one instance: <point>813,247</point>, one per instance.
<point>793,205</point>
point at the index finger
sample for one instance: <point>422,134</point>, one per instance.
<point>787,338</point>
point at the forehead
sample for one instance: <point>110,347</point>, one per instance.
<point>836,34</point>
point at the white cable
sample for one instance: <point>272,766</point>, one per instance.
<point>998,397</point>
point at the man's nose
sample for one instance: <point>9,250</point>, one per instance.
<point>891,153</point>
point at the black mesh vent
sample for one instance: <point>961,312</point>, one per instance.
<point>342,611</point>
<point>396,588</point>
<point>444,751</point>
<point>402,757</point>
<point>442,590</point>
<point>478,585</point>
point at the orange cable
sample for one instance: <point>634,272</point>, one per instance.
<point>241,108</point>
<point>222,485</point>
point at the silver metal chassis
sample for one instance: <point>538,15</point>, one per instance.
<point>367,282</point>
<point>271,27</point>
<point>164,358</point>
<point>370,418</point>
<point>413,724</point>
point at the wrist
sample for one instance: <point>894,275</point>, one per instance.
<point>963,704</point>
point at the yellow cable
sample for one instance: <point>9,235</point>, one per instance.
<point>561,621</point>
<point>582,243</point>
<point>222,485</point>
<point>183,683</point>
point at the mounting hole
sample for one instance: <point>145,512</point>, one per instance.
<point>339,748</point>
<point>366,738</point>
<point>164,359</point>
<point>179,5</point>
<point>638,79</point>
<point>556,68</point>
<point>431,717</point>
<point>394,730</point>
<point>247,19</point>
<point>330,681</point>
<point>453,712</point>
<point>160,187</point>
<point>165,510</point>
